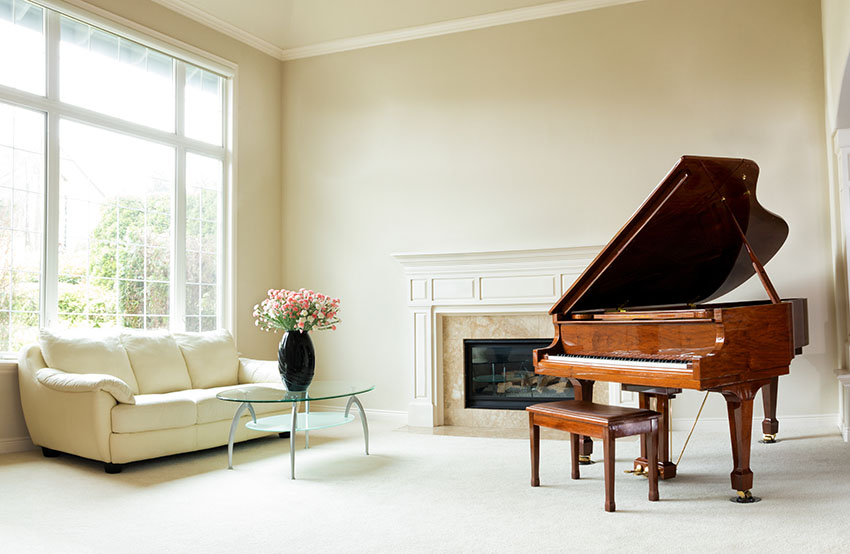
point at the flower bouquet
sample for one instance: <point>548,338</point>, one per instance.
<point>301,310</point>
<point>296,313</point>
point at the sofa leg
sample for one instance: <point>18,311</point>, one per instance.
<point>112,468</point>
<point>283,435</point>
<point>49,452</point>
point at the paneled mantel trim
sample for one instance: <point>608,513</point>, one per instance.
<point>474,283</point>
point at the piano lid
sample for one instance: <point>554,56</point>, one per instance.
<point>682,245</point>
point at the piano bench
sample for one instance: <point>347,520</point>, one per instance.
<point>599,421</point>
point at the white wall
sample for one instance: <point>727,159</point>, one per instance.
<point>543,134</point>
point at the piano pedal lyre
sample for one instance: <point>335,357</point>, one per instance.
<point>584,460</point>
<point>745,497</point>
<point>768,438</point>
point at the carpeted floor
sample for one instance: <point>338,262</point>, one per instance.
<point>422,492</point>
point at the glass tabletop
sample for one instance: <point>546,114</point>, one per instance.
<point>275,392</point>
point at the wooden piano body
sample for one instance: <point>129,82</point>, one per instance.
<point>639,314</point>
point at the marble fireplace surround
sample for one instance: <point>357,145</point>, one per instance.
<point>504,294</point>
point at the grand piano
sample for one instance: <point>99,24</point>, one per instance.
<point>641,312</point>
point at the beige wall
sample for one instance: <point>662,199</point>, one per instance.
<point>543,134</point>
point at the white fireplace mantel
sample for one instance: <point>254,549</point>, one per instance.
<point>504,282</point>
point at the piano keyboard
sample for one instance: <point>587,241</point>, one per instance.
<point>619,362</point>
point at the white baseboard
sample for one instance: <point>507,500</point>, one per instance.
<point>21,444</point>
<point>394,414</point>
<point>798,424</point>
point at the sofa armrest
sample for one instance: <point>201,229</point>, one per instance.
<point>258,371</point>
<point>78,423</point>
<point>62,381</point>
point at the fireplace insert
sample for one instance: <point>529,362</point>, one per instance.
<point>499,374</point>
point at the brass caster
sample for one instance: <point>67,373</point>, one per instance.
<point>584,460</point>
<point>638,471</point>
<point>745,497</point>
<point>768,438</point>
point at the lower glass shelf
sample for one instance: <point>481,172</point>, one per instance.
<point>303,422</point>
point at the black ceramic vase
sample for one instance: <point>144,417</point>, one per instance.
<point>296,360</point>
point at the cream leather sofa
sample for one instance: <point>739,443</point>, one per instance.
<point>123,397</point>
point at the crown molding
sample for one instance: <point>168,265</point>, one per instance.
<point>505,17</point>
<point>440,263</point>
<point>551,9</point>
<point>223,27</point>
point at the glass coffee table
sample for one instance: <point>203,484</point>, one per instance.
<point>299,421</point>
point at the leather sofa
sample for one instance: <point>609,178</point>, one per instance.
<point>119,397</point>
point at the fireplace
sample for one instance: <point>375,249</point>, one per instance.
<point>452,296</point>
<point>499,374</point>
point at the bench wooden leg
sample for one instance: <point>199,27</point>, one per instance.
<point>583,390</point>
<point>534,431</point>
<point>608,453</point>
<point>651,446</point>
<point>574,449</point>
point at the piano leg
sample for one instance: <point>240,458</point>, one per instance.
<point>739,405</point>
<point>583,390</point>
<point>770,425</point>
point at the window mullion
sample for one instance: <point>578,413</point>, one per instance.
<point>177,304</point>
<point>50,280</point>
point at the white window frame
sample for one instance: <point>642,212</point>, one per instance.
<point>55,110</point>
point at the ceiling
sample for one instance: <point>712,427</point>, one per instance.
<point>289,29</point>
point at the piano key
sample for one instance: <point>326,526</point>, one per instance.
<point>621,362</point>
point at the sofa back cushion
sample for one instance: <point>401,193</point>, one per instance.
<point>88,352</point>
<point>157,362</point>
<point>211,357</point>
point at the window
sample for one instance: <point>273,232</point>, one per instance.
<point>113,181</point>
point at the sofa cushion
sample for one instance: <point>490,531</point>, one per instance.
<point>157,361</point>
<point>211,358</point>
<point>155,411</point>
<point>88,351</point>
<point>258,371</point>
<point>211,409</point>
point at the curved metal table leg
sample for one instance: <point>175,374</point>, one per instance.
<point>253,413</point>
<point>355,400</point>
<point>233,426</point>
<point>307,431</point>
<point>292,441</point>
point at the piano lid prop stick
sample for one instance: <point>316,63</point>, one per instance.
<point>694,426</point>
<point>765,280</point>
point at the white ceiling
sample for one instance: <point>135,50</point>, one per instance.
<point>291,29</point>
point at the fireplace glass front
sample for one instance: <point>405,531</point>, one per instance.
<point>499,374</point>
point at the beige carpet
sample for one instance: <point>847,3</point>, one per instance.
<point>422,492</point>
